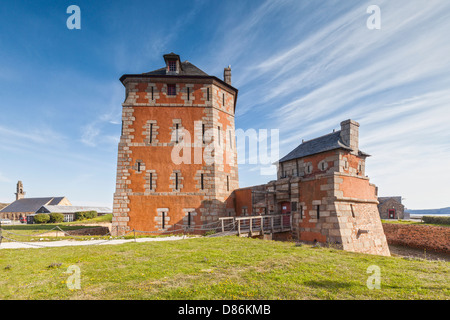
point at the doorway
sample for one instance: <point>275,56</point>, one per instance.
<point>391,213</point>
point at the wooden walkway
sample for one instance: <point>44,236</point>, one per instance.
<point>249,226</point>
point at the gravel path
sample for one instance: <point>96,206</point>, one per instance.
<point>64,243</point>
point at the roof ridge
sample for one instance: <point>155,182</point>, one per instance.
<point>304,141</point>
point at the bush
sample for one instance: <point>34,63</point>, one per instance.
<point>83,215</point>
<point>56,217</point>
<point>436,220</point>
<point>41,218</point>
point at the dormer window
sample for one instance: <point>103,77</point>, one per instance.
<point>172,65</point>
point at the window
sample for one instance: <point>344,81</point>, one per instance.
<point>163,218</point>
<point>231,139</point>
<point>188,93</point>
<point>203,133</point>
<point>152,93</point>
<point>228,183</point>
<point>151,132</point>
<point>301,212</point>
<point>171,90</point>
<point>189,219</point>
<point>218,134</point>
<point>308,168</point>
<point>244,211</point>
<point>294,205</point>
<point>139,166</point>
<point>176,180</point>
<point>207,94</point>
<point>176,132</point>
<point>318,211</point>
<point>172,65</point>
<point>223,99</point>
<point>151,181</point>
<point>201,182</point>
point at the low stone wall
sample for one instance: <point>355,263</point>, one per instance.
<point>433,238</point>
<point>97,231</point>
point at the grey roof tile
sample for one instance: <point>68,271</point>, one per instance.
<point>324,143</point>
<point>187,69</point>
<point>30,204</point>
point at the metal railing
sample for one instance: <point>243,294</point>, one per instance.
<point>258,224</point>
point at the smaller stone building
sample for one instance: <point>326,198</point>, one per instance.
<point>23,207</point>
<point>27,208</point>
<point>391,208</point>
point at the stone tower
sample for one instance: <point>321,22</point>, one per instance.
<point>177,162</point>
<point>20,194</point>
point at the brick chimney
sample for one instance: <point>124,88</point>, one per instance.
<point>350,134</point>
<point>227,75</point>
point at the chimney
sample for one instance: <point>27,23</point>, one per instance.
<point>350,134</point>
<point>227,75</point>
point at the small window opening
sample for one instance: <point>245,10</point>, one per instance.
<point>151,181</point>
<point>171,90</point>
<point>163,220</point>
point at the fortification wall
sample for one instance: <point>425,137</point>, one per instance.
<point>433,238</point>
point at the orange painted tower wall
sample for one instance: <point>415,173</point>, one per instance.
<point>177,163</point>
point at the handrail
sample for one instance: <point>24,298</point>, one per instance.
<point>260,223</point>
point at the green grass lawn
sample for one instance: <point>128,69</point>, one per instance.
<point>418,222</point>
<point>34,232</point>
<point>215,268</point>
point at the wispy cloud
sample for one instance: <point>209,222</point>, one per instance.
<point>394,81</point>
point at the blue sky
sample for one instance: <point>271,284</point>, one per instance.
<point>300,66</point>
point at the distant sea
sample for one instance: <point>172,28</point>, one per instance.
<point>443,212</point>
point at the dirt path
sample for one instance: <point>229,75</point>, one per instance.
<point>64,243</point>
<point>397,250</point>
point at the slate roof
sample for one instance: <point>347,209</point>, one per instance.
<point>31,204</point>
<point>384,199</point>
<point>73,209</point>
<point>187,69</point>
<point>324,143</point>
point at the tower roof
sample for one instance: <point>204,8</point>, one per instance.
<point>187,69</point>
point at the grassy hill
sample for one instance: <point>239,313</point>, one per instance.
<point>215,268</point>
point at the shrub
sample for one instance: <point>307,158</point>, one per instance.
<point>56,217</point>
<point>41,218</point>
<point>436,220</point>
<point>82,215</point>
